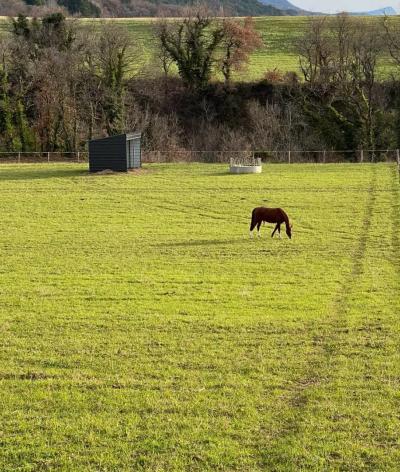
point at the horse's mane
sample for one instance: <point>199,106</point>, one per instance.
<point>286,218</point>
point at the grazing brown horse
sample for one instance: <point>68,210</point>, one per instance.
<point>270,215</point>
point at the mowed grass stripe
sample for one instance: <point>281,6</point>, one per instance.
<point>143,330</point>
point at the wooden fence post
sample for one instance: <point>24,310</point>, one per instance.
<point>19,157</point>
<point>48,157</point>
<point>324,157</point>
<point>289,160</point>
<point>78,156</point>
<point>398,159</point>
<point>362,155</point>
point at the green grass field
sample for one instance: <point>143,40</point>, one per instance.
<point>142,330</point>
<point>279,33</point>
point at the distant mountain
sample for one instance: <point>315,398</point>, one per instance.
<point>154,8</point>
<point>80,7</point>
<point>281,4</point>
<point>286,6</point>
<point>388,11</point>
<point>142,8</point>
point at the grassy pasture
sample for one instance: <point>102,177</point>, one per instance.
<point>280,34</point>
<point>141,329</point>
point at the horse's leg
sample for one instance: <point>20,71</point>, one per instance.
<point>276,228</point>
<point>252,226</point>
<point>258,229</point>
<point>279,230</point>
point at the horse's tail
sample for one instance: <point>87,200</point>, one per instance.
<point>287,224</point>
<point>253,220</point>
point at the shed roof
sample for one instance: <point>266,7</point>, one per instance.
<point>128,136</point>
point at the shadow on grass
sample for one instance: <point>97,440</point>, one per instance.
<point>225,173</point>
<point>31,173</point>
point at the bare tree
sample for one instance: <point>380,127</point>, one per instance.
<point>366,48</point>
<point>316,51</point>
<point>239,41</point>
<point>392,37</point>
<point>13,7</point>
<point>339,60</point>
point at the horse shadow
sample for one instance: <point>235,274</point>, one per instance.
<point>208,242</point>
<point>200,242</point>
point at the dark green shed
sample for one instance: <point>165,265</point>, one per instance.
<point>118,153</point>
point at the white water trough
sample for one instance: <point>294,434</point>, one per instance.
<point>252,166</point>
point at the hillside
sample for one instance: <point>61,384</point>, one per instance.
<point>140,8</point>
<point>286,6</point>
<point>281,4</point>
<point>279,33</point>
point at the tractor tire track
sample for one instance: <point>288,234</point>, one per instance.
<point>396,219</point>
<point>326,343</point>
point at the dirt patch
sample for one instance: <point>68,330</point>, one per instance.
<point>26,376</point>
<point>105,172</point>
<point>139,171</point>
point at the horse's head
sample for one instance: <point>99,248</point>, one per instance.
<point>289,231</point>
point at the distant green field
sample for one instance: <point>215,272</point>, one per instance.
<point>142,330</point>
<point>279,34</point>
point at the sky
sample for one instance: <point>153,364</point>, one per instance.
<point>334,6</point>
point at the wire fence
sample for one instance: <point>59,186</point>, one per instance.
<point>42,157</point>
<point>246,157</point>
